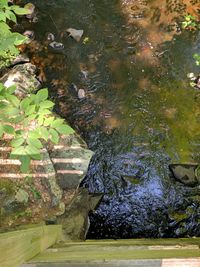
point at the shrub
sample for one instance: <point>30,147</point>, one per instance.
<point>29,121</point>
<point>9,40</point>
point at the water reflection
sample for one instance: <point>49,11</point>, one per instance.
<point>139,114</point>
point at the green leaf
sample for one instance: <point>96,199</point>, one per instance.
<point>25,163</point>
<point>65,129</point>
<point>57,123</point>
<point>19,151</point>
<point>47,104</point>
<point>48,121</point>
<point>25,103</point>
<point>20,10</point>
<point>34,142</point>
<point>30,110</point>
<point>11,89</point>
<point>44,133</point>
<point>44,112</point>
<point>13,99</point>
<point>34,134</point>
<point>40,120</point>
<point>32,150</point>
<point>17,142</point>
<point>9,129</point>
<point>1,130</point>
<point>54,136</point>
<point>41,95</point>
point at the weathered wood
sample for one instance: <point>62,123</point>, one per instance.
<point>125,263</point>
<point>111,253</point>
<point>19,246</point>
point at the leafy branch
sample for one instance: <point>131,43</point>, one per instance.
<point>9,40</point>
<point>29,122</point>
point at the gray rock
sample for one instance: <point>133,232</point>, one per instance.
<point>30,35</point>
<point>22,196</point>
<point>24,77</point>
<point>75,221</point>
<point>81,93</point>
<point>71,159</point>
<point>185,173</point>
<point>50,37</point>
<point>56,45</point>
<point>76,34</point>
<point>21,58</point>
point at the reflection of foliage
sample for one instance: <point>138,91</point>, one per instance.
<point>190,23</point>
<point>9,40</point>
<point>29,121</point>
<point>197,59</point>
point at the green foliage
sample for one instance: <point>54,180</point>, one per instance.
<point>197,59</point>
<point>190,23</point>
<point>9,40</point>
<point>30,122</point>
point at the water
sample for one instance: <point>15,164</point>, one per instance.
<point>139,115</point>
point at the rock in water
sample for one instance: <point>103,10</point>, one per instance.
<point>50,37</point>
<point>31,9</point>
<point>81,93</point>
<point>76,34</point>
<point>56,45</point>
<point>30,35</point>
<point>185,173</point>
<point>23,76</point>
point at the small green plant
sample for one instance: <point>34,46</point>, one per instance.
<point>190,23</point>
<point>29,121</point>
<point>9,40</point>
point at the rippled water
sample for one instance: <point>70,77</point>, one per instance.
<point>139,115</point>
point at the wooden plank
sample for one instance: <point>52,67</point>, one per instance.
<point>110,250</point>
<point>195,262</point>
<point>19,246</point>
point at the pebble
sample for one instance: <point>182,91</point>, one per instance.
<point>50,37</point>
<point>81,93</point>
<point>30,35</point>
<point>56,45</point>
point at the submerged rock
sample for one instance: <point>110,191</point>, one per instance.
<point>50,37</point>
<point>81,93</point>
<point>30,35</point>
<point>185,173</point>
<point>76,34</point>
<point>56,45</point>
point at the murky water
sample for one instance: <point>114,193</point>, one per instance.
<point>139,114</point>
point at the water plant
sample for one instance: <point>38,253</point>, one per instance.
<point>30,122</point>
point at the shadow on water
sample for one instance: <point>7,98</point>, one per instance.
<point>139,114</point>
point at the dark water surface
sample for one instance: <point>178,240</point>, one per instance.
<point>139,114</point>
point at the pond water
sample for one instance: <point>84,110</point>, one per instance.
<point>140,113</point>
